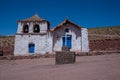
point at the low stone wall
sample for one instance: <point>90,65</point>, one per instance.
<point>6,50</point>
<point>101,52</point>
<point>105,44</point>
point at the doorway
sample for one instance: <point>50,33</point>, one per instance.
<point>31,48</point>
<point>67,41</point>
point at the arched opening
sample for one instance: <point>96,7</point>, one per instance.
<point>25,29</point>
<point>36,29</point>
<point>66,30</point>
<point>31,48</point>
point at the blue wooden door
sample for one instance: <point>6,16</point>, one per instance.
<point>67,41</point>
<point>31,48</point>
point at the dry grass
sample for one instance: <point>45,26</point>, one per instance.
<point>7,41</point>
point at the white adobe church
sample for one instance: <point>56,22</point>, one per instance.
<point>34,36</point>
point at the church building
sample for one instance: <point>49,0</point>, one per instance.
<point>34,36</point>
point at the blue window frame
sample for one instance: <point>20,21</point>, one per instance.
<point>67,41</point>
<point>31,48</point>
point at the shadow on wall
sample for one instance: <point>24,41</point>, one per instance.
<point>60,32</point>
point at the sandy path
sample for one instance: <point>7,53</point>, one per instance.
<point>102,67</point>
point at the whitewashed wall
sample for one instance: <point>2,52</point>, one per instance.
<point>49,41</point>
<point>42,43</point>
<point>42,40</point>
<point>43,26</point>
<point>76,38</point>
<point>85,42</point>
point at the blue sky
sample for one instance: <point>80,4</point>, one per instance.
<point>86,13</point>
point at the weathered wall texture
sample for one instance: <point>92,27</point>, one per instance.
<point>43,26</point>
<point>8,50</point>
<point>60,32</point>
<point>42,39</point>
<point>7,45</point>
<point>79,38</point>
<point>104,39</point>
<point>85,40</point>
<point>105,44</point>
<point>42,43</point>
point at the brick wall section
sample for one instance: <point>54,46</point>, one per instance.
<point>105,44</point>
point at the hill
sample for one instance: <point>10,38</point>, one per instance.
<point>104,33</point>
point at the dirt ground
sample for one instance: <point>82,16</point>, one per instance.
<point>100,67</point>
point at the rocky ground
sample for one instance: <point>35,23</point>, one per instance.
<point>99,67</point>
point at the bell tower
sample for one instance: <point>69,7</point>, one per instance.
<point>32,36</point>
<point>32,25</point>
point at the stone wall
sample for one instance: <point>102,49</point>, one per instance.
<point>105,44</point>
<point>8,50</point>
<point>7,45</point>
<point>65,57</point>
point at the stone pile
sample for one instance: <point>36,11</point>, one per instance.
<point>65,56</point>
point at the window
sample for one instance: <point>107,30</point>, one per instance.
<point>25,29</point>
<point>36,29</point>
<point>67,24</point>
<point>67,30</point>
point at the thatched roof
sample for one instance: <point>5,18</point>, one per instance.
<point>34,18</point>
<point>66,21</point>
